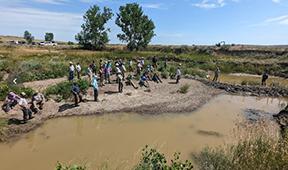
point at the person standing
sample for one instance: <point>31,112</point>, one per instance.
<point>93,67</point>
<point>77,93</point>
<point>119,80</point>
<point>78,69</point>
<point>130,65</point>
<point>178,74</point>
<point>71,71</point>
<point>95,86</point>
<point>154,61</point>
<point>165,62</point>
<point>265,76</point>
<point>89,73</point>
<point>216,74</point>
<point>27,113</point>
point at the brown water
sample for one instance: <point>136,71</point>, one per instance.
<point>239,78</point>
<point>116,139</point>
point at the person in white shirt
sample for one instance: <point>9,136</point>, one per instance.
<point>78,69</point>
<point>37,102</point>
<point>71,71</point>
<point>178,74</point>
<point>27,113</point>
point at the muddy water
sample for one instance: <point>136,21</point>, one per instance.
<point>239,78</point>
<point>116,139</point>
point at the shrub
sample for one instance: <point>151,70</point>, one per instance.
<point>6,88</point>
<point>60,166</point>
<point>164,74</point>
<point>184,89</point>
<point>152,160</point>
<point>63,89</point>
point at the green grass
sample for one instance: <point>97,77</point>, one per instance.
<point>29,64</point>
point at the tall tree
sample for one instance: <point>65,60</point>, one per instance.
<point>138,29</point>
<point>28,37</point>
<point>49,36</point>
<point>94,35</point>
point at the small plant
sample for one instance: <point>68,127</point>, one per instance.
<point>184,89</point>
<point>63,89</point>
<point>60,166</point>
<point>152,160</point>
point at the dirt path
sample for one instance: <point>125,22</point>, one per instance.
<point>162,98</point>
<point>43,84</point>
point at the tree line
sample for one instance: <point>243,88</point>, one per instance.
<point>29,38</point>
<point>137,29</point>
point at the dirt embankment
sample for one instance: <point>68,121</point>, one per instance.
<point>244,89</point>
<point>161,98</point>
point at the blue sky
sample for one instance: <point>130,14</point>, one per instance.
<point>177,21</point>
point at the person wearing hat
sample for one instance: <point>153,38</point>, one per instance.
<point>95,86</point>
<point>178,74</point>
<point>10,102</point>
<point>71,71</point>
<point>27,113</point>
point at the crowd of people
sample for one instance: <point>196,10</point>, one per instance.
<point>100,75</point>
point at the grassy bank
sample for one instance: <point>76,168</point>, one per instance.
<point>39,63</point>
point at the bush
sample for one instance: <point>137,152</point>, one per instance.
<point>164,74</point>
<point>60,166</point>
<point>63,89</point>
<point>184,89</point>
<point>154,160</point>
<point>6,88</point>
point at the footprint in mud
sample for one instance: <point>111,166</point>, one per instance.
<point>209,133</point>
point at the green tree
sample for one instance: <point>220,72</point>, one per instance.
<point>49,36</point>
<point>28,37</point>
<point>138,29</point>
<point>94,35</point>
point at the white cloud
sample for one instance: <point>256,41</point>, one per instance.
<point>276,1</point>
<point>210,4</point>
<point>283,20</point>
<point>152,6</point>
<point>54,2</point>
<point>39,21</point>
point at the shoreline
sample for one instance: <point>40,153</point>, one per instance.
<point>162,99</point>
